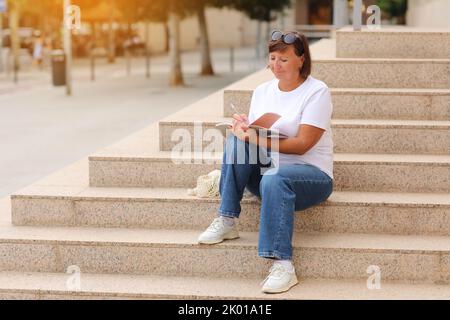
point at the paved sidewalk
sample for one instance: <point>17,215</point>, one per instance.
<point>42,130</point>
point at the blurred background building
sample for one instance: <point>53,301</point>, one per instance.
<point>109,27</point>
<point>429,13</point>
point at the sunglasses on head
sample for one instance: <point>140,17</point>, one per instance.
<point>288,38</point>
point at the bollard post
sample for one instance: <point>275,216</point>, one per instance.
<point>147,49</point>
<point>68,46</point>
<point>148,57</point>
<point>93,47</point>
<point>2,67</point>
<point>128,55</point>
<point>14,39</point>
<point>93,64</point>
<point>357,17</point>
<point>232,59</point>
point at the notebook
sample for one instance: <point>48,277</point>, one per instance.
<point>261,125</point>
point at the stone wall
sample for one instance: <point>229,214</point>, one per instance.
<point>429,13</point>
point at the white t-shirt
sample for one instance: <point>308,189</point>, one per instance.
<point>310,103</point>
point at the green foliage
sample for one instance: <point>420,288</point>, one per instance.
<point>157,10</point>
<point>395,8</point>
<point>259,9</point>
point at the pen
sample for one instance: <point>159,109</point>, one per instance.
<point>234,108</point>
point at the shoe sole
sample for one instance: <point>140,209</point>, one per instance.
<point>281,290</point>
<point>214,241</point>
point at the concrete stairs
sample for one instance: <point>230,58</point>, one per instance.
<point>123,216</point>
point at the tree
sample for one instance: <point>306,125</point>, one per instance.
<point>160,10</point>
<point>155,11</point>
<point>256,9</point>
<point>176,74</point>
<point>206,68</point>
<point>111,38</point>
<point>168,12</point>
<point>395,8</point>
<point>260,10</point>
<point>172,12</point>
<point>198,7</point>
<point>14,13</point>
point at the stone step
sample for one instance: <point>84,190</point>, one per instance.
<point>349,136</point>
<point>370,72</point>
<point>383,73</point>
<point>393,42</point>
<point>140,166</point>
<point>48,204</point>
<point>169,252</point>
<point>375,72</point>
<point>379,73</point>
<point>392,104</point>
<point>53,286</point>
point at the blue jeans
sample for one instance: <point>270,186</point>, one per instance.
<point>282,190</point>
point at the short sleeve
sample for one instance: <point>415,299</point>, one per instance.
<point>251,112</point>
<point>318,109</point>
<point>254,104</point>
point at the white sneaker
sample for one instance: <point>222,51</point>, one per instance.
<point>280,279</point>
<point>217,232</point>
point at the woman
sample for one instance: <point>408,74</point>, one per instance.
<point>301,166</point>
<point>37,49</point>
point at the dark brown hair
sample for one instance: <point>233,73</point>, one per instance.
<point>301,47</point>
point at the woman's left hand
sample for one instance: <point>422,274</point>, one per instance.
<point>248,136</point>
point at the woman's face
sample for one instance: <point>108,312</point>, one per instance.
<point>286,65</point>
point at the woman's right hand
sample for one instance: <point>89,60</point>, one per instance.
<point>240,122</point>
